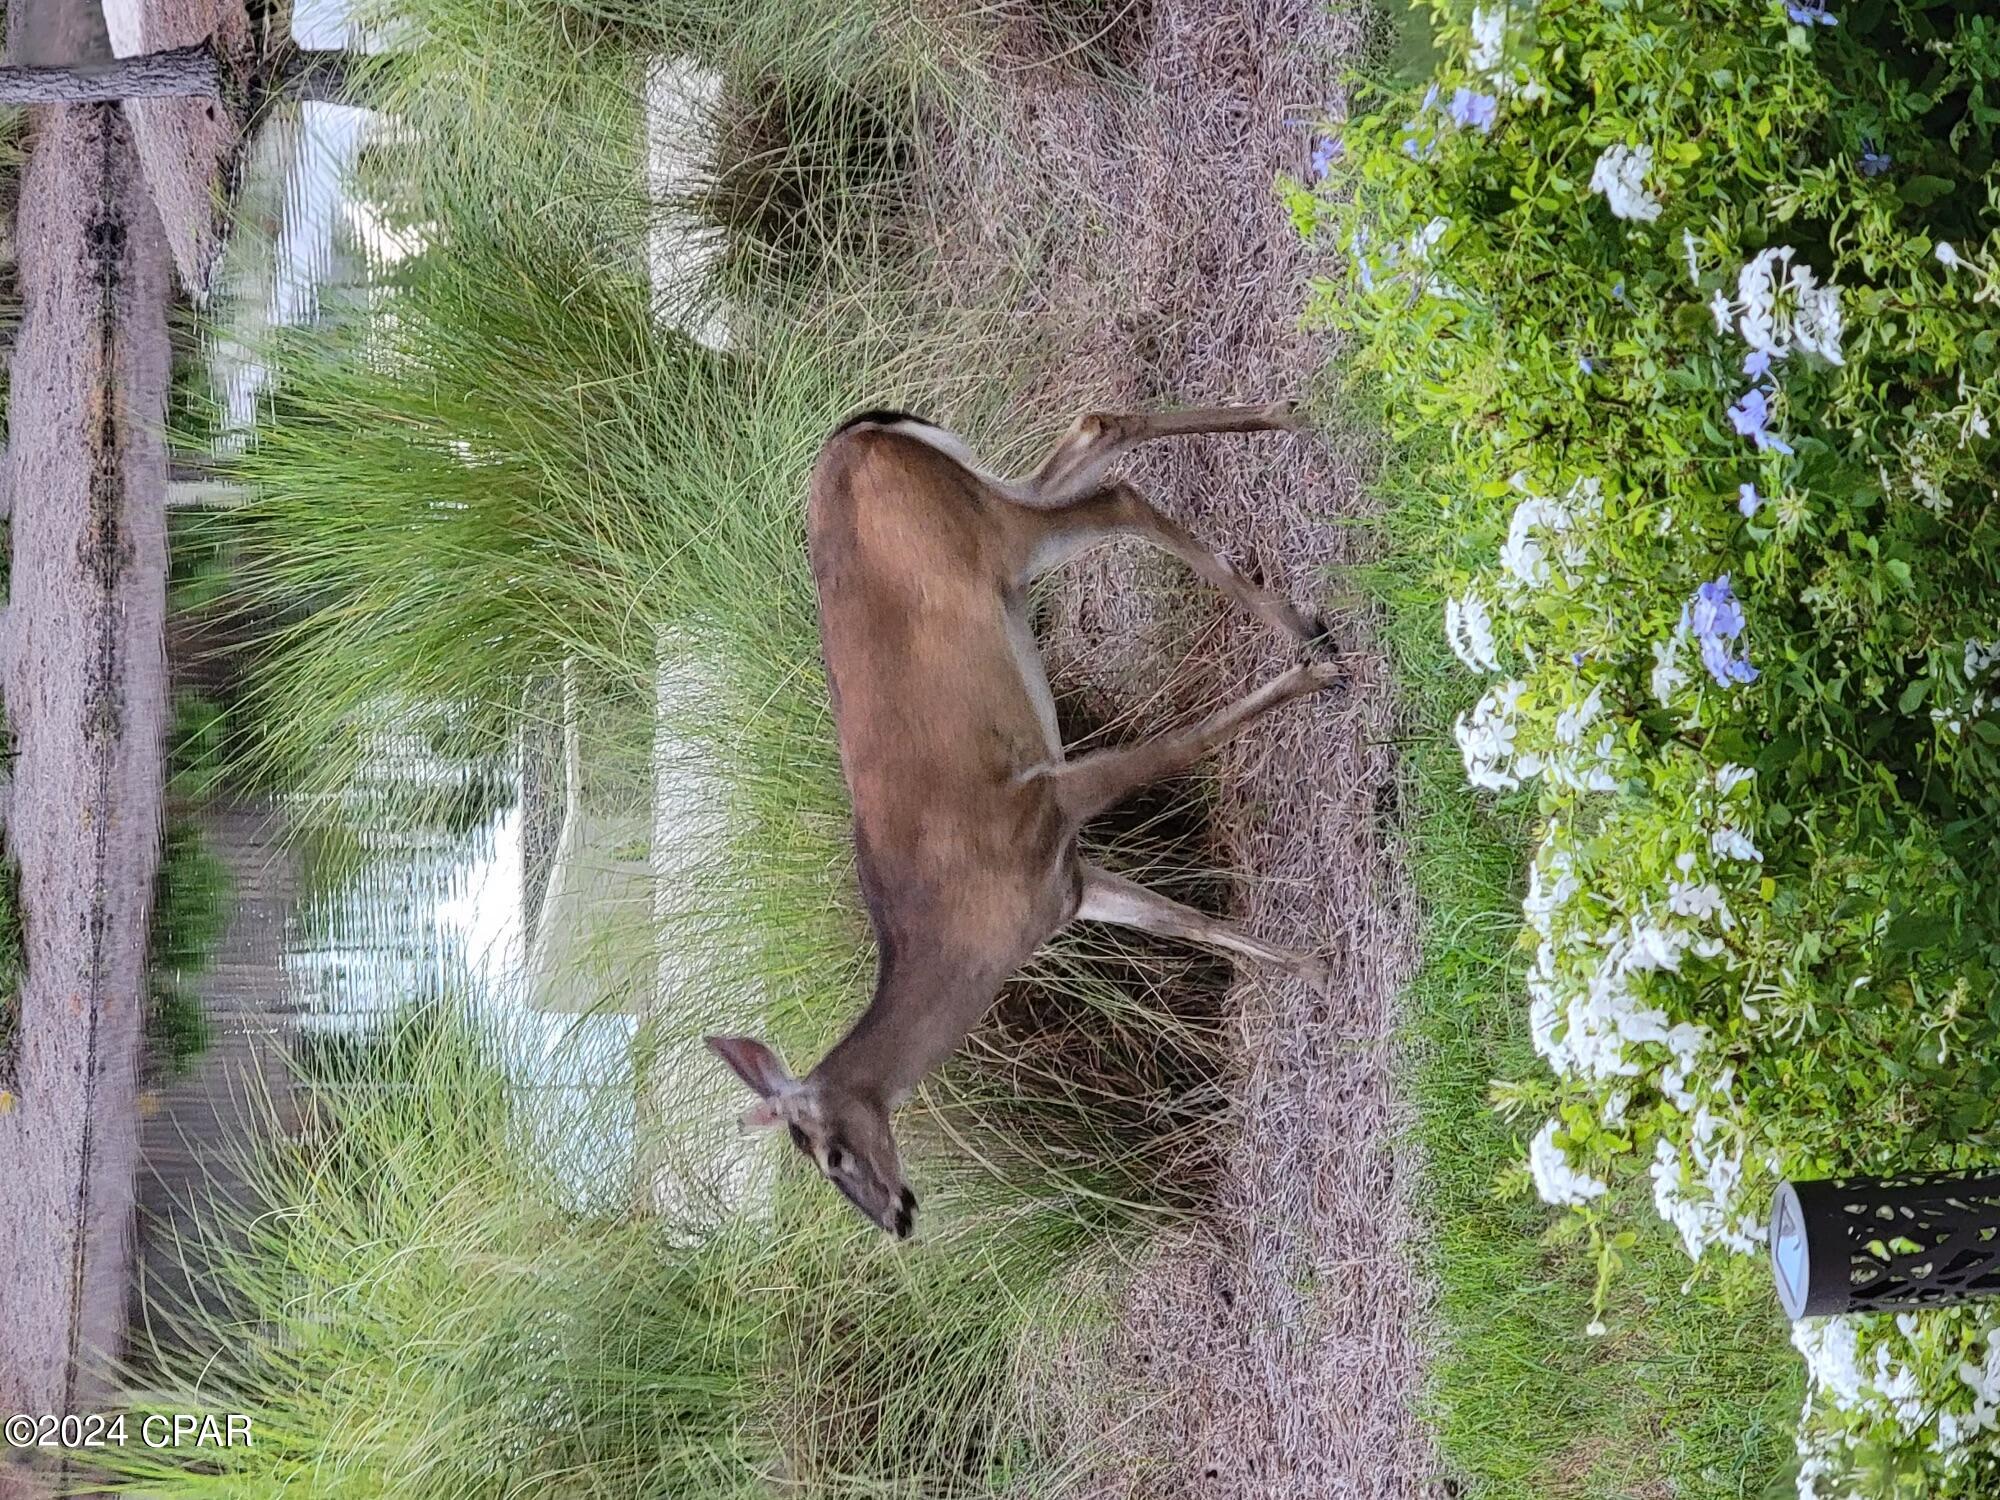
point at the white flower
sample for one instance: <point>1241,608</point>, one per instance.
<point>1947,257</point>
<point>1669,676</point>
<point>1816,325</point>
<point>1524,555</point>
<point>1486,740</point>
<point>1572,721</point>
<point>1489,38</point>
<point>1424,240</point>
<point>1651,947</point>
<point>1729,776</point>
<point>1705,1209</point>
<point>1699,900</point>
<point>1728,842</point>
<point>1724,310</point>
<point>1687,1042</point>
<point>1832,1362</point>
<point>1691,247</point>
<point>1543,531</point>
<point>1764,325</point>
<point>1552,882</point>
<point>1556,1180</point>
<point>1620,176</point>
<point>1898,1386</point>
<point>1600,1016</point>
<point>1468,626</point>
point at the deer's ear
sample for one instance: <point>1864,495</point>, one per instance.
<point>756,1064</point>
<point>760,1116</point>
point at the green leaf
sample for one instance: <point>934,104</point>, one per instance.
<point>1924,191</point>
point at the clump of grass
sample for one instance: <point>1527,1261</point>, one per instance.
<point>427,1317</point>
<point>13,157</point>
<point>1098,36</point>
<point>802,166</point>
<point>1099,1077</point>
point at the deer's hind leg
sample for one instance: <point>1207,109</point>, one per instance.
<point>1112,898</point>
<point>1117,509</point>
<point>1084,454</point>
<point>1096,782</point>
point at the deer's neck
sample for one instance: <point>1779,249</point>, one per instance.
<point>916,1020</point>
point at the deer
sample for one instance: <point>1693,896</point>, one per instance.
<point>967,814</point>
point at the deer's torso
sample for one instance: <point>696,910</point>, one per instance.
<point>940,704</point>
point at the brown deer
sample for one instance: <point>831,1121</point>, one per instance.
<point>966,814</point>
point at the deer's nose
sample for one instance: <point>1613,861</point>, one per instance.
<point>906,1214</point>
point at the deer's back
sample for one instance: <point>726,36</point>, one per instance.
<point>922,631</point>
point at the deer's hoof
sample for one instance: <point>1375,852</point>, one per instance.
<point>1316,643</point>
<point>1285,416</point>
<point>1327,674</point>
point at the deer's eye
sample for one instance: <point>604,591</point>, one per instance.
<point>836,1160</point>
<point>798,1136</point>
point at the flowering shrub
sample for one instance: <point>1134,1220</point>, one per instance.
<point>1704,296</point>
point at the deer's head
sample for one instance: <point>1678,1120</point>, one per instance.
<point>846,1134</point>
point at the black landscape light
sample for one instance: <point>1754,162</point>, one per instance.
<point>1886,1244</point>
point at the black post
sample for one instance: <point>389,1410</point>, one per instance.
<point>1885,1244</point>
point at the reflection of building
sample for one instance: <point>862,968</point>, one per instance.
<point>298,254</point>
<point>586,885</point>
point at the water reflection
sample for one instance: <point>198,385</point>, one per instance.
<point>441,915</point>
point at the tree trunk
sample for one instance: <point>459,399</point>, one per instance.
<point>180,73</point>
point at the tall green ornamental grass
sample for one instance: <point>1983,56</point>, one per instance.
<point>415,1307</point>
<point>503,470</point>
<point>1701,295</point>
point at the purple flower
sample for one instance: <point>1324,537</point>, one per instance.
<point>1811,13</point>
<point>1618,292</point>
<point>1749,417</point>
<point>1723,667</point>
<point>1425,148</point>
<point>1715,611</point>
<point>1326,151</point>
<point>1583,363</point>
<point>1748,500</point>
<point>1474,110</point>
<point>1874,163</point>
<point>1715,619</point>
<point>1757,363</point>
